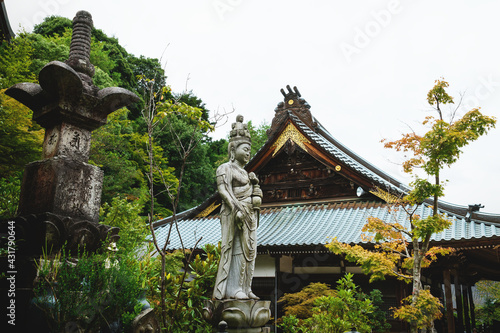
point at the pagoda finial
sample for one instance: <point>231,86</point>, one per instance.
<point>79,51</point>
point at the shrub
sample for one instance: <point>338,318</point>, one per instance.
<point>95,291</point>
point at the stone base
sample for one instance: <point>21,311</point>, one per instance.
<point>247,316</point>
<point>63,187</point>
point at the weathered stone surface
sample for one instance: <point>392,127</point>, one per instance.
<point>240,315</point>
<point>146,322</point>
<point>69,106</point>
<point>68,140</point>
<point>51,231</point>
<point>241,199</point>
<point>62,186</point>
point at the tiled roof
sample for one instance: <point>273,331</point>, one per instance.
<point>315,224</point>
<point>323,138</point>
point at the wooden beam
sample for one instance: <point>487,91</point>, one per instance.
<point>450,319</point>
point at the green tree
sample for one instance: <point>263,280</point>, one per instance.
<point>438,148</point>
<point>53,25</point>
<point>116,149</point>
<point>258,134</point>
<point>177,134</point>
<point>15,61</point>
<point>489,311</point>
<point>20,138</point>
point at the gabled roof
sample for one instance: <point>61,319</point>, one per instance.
<point>310,219</point>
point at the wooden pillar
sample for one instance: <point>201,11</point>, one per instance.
<point>472,308</point>
<point>458,301</point>
<point>277,294</point>
<point>449,301</point>
<point>465,292</point>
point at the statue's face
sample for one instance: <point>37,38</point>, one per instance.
<point>242,153</point>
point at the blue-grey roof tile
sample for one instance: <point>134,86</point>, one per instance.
<point>315,224</point>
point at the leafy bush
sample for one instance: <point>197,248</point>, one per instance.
<point>95,291</point>
<point>10,188</point>
<point>317,308</point>
<point>185,291</point>
<point>300,304</point>
<point>423,312</point>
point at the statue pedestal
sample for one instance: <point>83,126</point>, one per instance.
<point>246,316</point>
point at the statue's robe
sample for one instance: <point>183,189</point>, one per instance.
<point>239,243</point>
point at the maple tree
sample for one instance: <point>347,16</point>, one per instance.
<point>402,249</point>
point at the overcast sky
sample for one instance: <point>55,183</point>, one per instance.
<point>365,67</point>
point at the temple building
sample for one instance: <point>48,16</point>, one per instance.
<point>315,189</point>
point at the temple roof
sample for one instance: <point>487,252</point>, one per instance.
<point>315,224</point>
<point>315,188</point>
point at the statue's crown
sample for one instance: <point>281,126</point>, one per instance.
<point>239,131</point>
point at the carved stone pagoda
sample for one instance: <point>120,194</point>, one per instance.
<point>61,194</point>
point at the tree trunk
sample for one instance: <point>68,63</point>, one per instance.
<point>417,283</point>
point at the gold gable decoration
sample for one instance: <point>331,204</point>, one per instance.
<point>384,195</point>
<point>208,210</point>
<point>290,133</point>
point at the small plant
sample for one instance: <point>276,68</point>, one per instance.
<point>87,291</point>
<point>290,324</point>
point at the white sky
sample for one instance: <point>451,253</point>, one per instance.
<point>365,66</point>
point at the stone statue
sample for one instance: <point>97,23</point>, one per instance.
<point>241,199</point>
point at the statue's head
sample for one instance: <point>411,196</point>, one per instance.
<point>238,135</point>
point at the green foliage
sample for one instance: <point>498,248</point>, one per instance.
<point>124,214</point>
<point>259,135</point>
<point>438,95</point>
<point>300,304</point>
<point>422,190</point>
<point>422,228</point>
<point>187,317</point>
<point>53,25</point>
<point>15,61</point>
<point>377,318</point>
<point>185,294</point>
<point>119,151</point>
<point>347,309</point>
<point>20,138</point>
<point>94,291</point>
<point>489,311</point>
<point>290,324</point>
<point>182,131</point>
<point>10,188</point>
<point>47,49</point>
<point>317,308</point>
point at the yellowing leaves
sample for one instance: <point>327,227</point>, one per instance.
<point>424,310</point>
